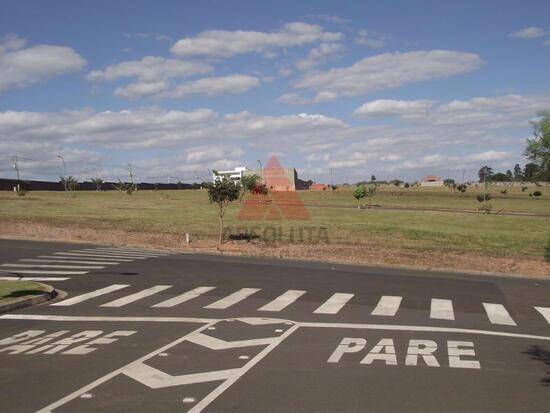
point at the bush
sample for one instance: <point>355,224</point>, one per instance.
<point>461,187</point>
<point>483,197</point>
<point>547,251</point>
<point>537,194</point>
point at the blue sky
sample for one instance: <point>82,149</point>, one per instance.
<point>399,89</point>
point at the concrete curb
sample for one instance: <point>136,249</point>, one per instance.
<point>49,294</point>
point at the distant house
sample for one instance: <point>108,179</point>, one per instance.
<point>318,187</point>
<point>233,174</point>
<point>432,180</point>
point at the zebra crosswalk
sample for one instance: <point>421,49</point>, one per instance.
<point>74,262</point>
<point>384,306</point>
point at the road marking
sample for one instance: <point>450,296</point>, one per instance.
<point>102,255</point>
<point>157,252</point>
<point>50,266</point>
<point>387,306</point>
<point>34,278</point>
<point>69,261</point>
<point>83,297</point>
<point>130,254</point>
<point>45,272</point>
<point>94,318</point>
<point>442,309</point>
<point>136,296</point>
<point>545,312</point>
<point>92,255</point>
<point>232,299</point>
<point>86,257</point>
<point>498,315</point>
<point>334,304</point>
<point>189,295</point>
<point>283,301</point>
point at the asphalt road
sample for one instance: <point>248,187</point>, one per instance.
<point>159,331</point>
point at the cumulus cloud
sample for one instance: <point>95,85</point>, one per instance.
<point>372,40</point>
<point>528,33</point>
<point>387,107</point>
<point>22,66</point>
<point>224,43</point>
<point>149,69</point>
<point>388,70</point>
<point>319,54</point>
<point>159,37</point>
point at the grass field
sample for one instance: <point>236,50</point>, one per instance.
<point>189,211</point>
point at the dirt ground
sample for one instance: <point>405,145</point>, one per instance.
<point>366,255</point>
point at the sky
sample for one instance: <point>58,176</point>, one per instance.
<point>395,89</point>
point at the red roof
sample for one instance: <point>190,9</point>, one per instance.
<point>430,178</point>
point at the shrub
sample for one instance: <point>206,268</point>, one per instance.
<point>537,194</point>
<point>461,187</point>
<point>483,197</point>
<point>547,251</point>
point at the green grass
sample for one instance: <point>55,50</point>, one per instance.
<point>189,211</point>
<point>12,290</point>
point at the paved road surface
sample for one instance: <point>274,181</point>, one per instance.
<point>158,331</point>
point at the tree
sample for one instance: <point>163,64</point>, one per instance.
<point>518,174</point>
<point>531,171</point>
<point>69,183</point>
<point>485,173</point>
<point>509,175</point>
<point>98,182</point>
<point>359,193</point>
<point>248,183</point>
<point>538,147</point>
<point>223,192</point>
<point>449,183</point>
<point>500,177</point>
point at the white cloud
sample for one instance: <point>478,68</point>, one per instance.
<point>331,18</point>
<point>224,43</point>
<point>149,69</point>
<point>489,156</point>
<point>528,33</point>
<point>386,107</point>
<point>20,66</point>
<point>319,54</point>
<point>159,37</point>
<point>373,40</point>
<point>140,90</point>
<point>285,71</point>
<point>389,70</point>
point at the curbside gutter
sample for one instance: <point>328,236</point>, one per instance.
<point>49,294</point>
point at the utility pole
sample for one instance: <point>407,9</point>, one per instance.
<point>15,161</point>
<point>331,177</point>
<point>131,173</point>
<point>65,186</point>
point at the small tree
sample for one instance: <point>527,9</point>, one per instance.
<point>359,193</point>
<point>98,182</point>
<point>461,187</point>
<point>248,183</point>
<point>222,193</point>
<point>70,183</point>
<point>538,148</point>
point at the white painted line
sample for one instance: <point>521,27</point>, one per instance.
<point>545,311</point>
<point>46,272</point>
<point>130,254</point>
<point>90,255</point>
<point>86,257</point>
<point>101,380</point>
<point>232,299</point>
<point>104,255</point>
<point>83,297</point>
<point>136,296</point>
<point>189,295</point>
<point>442,309</point>
<point>34,278</point>
<point>94,318</point>
<point>158,252</point>
<point>282,301</point>
<point>387,306</point>
<point>69,261</point>
<point>51,266</point>
<point>334,304</point>
<point>498,315</point>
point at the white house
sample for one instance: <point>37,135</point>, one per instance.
<point>234,174</point>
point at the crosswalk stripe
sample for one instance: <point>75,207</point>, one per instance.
<point>189,295</point>
<point>68,261</point>
<point>51,266</point>
<point>48,272</point>
<point>85,257</point>
<point>112,255</point>
<point>158,252</point>
<point>131,254</point>
<point>92,294</point>
<point>334,304</point>
<point>136,296</point>
<point>34,278</point>
<point>545,312</point>
<point>442,309</point>
<point>92,255</point>
<point>498,315</point>
<point>282,301</point>
<point>233,298</point>
<point>387,306</point>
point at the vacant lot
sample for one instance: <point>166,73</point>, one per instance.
<point>391,232</point>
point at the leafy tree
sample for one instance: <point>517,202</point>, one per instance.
<point>128,187</point>
<point>223,192</point>
<point>359,193</point>
<point>98,182</point>
<point>500,177</point>
<point>70,183</point>
<point>531,171</point>
<point>485,173</point>
<point>462,187</point>
<point>518,174</point>
<point>449,183</point>
<point>248,183</point>
<point>538,147</point>
<point>509,175</point>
